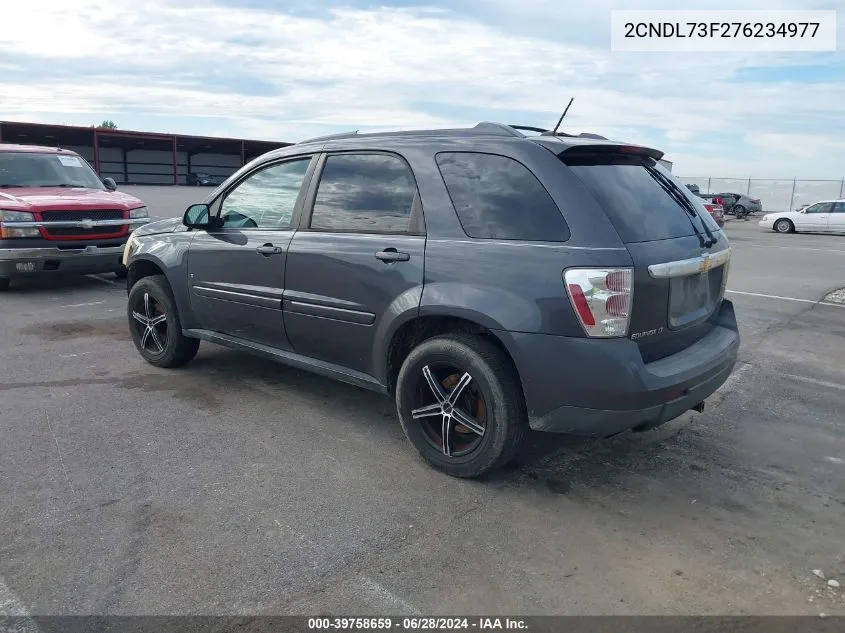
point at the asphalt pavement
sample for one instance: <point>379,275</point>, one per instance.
<point>238,486</point>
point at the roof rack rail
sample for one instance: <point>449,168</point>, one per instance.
<point>545,132</point>
<point>500,129</point>
<point>483,128</point>
<point>329,137</point>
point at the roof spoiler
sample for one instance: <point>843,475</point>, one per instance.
<point>613,148</point>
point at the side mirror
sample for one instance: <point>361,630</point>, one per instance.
<point>197,216</point>
<point>110,184</point>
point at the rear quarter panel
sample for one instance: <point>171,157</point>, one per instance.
<point>501,284</point>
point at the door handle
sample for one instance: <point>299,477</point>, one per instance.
<point>269,249</point>
<point>390,255</point>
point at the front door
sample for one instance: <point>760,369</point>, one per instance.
<point>815,218</point>
<point>357,260</point>
<point>237,273</point>
<point>837,217</point>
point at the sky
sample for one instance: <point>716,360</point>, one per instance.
<point>286,71</point>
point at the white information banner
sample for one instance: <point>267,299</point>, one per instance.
<point>726,31</point>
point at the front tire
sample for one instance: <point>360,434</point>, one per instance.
<point>155,325</point>
<point>461,405</point>
<point>784,226</point>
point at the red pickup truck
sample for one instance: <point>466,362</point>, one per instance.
<point>57,216</point>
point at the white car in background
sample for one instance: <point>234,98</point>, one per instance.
<point>827,216</point>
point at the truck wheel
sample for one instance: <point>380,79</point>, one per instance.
<point>4,283</point>
<point>460,403</point>
<point>155,325</point>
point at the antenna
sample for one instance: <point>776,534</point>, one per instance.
<point>560,120</point>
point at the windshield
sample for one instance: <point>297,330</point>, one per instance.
<point>21,169</point>
<point>637,204</point>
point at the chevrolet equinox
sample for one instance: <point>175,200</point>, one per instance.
<point>488,280</point>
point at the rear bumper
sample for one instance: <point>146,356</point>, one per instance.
<point>601,387</point>
<point>28,262</point>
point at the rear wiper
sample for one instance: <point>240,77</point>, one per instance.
<point>670,188</point>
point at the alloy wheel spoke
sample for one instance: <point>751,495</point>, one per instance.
<point>161,318</point>
<point>446,432</point>
<point>468,421</point>
<point>156,339</point>
<point>139,317</point>
<point>436,389</point>
<point>459,388</point>
<point>145,336</point>
<point>427,411</point>
<point>147,307</point>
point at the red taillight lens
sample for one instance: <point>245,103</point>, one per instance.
<point>618,281</point>
<point>617,305</point>
<point>581,305</point>
<point>601,298</point>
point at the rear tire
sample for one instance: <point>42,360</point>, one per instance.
<point>487,419</point>
<point>784,226</point>
<point>155,325</point>
<point>4,283</point>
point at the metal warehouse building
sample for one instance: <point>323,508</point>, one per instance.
<point>142,158</point>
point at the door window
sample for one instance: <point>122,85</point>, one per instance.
<point>839,207</point>
<point>364,193</point>
<point>266,199</point>
<point>821,207</point>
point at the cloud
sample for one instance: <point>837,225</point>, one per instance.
<point>265,73</point>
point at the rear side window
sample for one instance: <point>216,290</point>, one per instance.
<point>498,198</point>
<point>364,193</point>
<point>640,209</point>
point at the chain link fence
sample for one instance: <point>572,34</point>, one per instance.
<point>776,195</point>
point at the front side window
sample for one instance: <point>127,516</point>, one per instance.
<point>497,197</point>
<point>839,207</point>
<point>266,199</point>
<point>364,193</point>
<point>25,169</point>
<point>821,207</point>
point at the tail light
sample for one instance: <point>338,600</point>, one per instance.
<point>601,298</point>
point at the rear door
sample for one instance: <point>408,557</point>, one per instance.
<point>237,273</point>
<point>816,218</point>
<point>357,260</point>
<point>837,218</point>
<point>679,252</point>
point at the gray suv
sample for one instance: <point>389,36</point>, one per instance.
<point>489,281</point>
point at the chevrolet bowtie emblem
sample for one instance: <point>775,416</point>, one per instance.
<point>705,264</point>
<point>87,224</point>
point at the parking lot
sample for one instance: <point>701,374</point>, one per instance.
<point>238,486</point>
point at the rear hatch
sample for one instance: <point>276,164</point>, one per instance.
<point>679,253</point>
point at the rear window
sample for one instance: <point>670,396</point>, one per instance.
<point>497,197</point>
<point>640,209</point>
